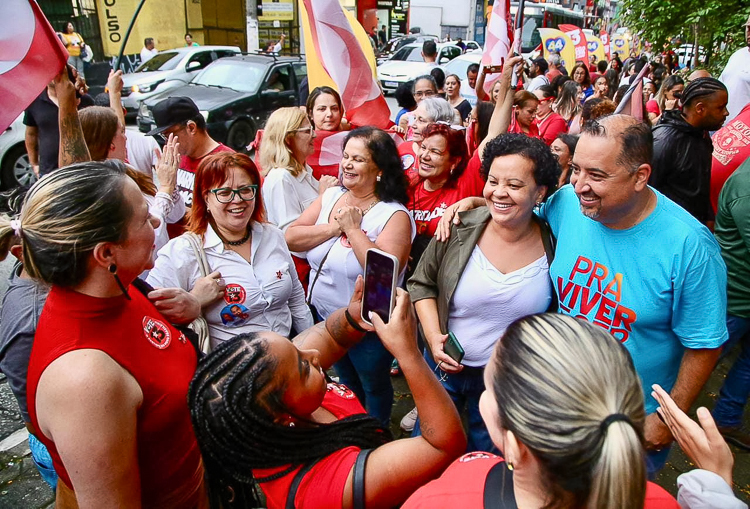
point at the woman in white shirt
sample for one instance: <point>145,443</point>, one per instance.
<point>337,230</point>
<point>248,256</point>
<point>492,271</point>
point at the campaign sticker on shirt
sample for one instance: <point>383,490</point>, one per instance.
<point>156,332</point>
<point>235,315</point>
<point>341,390</point>
<point>407,161</point>
<point>234,294</point>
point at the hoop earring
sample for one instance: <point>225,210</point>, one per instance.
<point>113,270</point>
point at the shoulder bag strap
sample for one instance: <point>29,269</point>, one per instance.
<point>295,484</point>
<point>358,484</point>
<point>550,243</point>
<point>498,488</point>
<point>197,246</point>
<point>320,268</point>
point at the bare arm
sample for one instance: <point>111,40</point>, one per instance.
<point>87,404</point>
<point>395,470</point>
<point>696,367</point>
<point>114,86</point>
<point>479,86</point>
<point>303,234</point>
<point>73,147</point>
<point>31,141</point>
<point>394,239</point>
<point>500,120</point>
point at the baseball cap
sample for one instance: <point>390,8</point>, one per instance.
<point>541,63</point>
<point>172,111</point>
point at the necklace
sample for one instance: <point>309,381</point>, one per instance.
<point>365,211</point>
<point>239,242</point>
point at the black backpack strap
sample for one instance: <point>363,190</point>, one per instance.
<point>358,484</point>
<point>295,484</point>
<point>498,488</point>
<point>550,243</point>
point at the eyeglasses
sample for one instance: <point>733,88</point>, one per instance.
<point>227,194</point>
<point>425,93</point>
<point>308,130</point>
<point>164,135</point>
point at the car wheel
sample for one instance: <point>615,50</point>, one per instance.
<point>240,135</point>
<point>16,169</point>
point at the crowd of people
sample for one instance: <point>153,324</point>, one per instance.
<point>186,329</point>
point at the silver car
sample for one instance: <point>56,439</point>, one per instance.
<point>167,70</point>
<point>15,168</point>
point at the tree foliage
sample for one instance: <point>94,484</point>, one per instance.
<point>719,23</point>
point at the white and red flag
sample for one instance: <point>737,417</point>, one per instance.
<point>343,59</point>
<point>632,102</point>
<point>499,40</point>
<point>31,55</point>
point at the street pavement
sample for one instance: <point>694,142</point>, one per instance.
<point>21,487</point>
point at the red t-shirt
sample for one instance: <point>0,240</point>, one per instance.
<point>427,207</point>
<point>653,107</point>
<point>515,127</point>
<point>323,486</point>
<point>161,360</point>
<point>731,149</point>
<point>186,173</point>
<point>462,485</point>
<point>550,127</point>
<point>408,157</point>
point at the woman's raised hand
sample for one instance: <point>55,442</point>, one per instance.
<point>399,335</point>
<point>326,182</point>
<point>168,162</point>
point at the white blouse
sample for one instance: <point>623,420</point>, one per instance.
<point>286,196</point>
<point>264,295</point>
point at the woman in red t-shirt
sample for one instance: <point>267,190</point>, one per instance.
<point>524,111</point>
<point>564,405</point>
<point>263,412</point>
<point>549,123</point>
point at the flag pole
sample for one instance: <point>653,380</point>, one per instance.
<point>517,34</point>
<point>127,34</point>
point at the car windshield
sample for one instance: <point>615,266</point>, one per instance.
<point>458,67</point>
<point>410,54</point>
<point>238,75</point>
<point>165,61</point>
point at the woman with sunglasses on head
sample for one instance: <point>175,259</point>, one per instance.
<point>255,285</point>
<point>549,123</point>
<point>524,112</point>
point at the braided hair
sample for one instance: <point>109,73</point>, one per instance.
<point>234,397</point>
<point>701,87</point>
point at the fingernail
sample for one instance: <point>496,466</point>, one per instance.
<point>369,315</point>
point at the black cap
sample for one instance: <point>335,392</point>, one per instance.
<point>173,111</point>
<point>541,63</point>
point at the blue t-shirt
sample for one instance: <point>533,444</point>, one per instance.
<point>658,287</point>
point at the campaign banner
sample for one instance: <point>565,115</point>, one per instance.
<point>579,41</point>
<point>620,45</point>
<point>554,40</point>
<point>596,47</point>
<point>604,37</point>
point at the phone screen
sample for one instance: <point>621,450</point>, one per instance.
<point>380,284</point>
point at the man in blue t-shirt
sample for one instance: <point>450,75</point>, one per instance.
<point>633,262</point>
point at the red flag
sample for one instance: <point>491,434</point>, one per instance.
<point>632,101</point>
<point>499,40</point>
<point>579,40</point>
<point>604,36</point>
<point>31,55</point>
<point>346,64</point>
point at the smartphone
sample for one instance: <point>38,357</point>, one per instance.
<point>381,273</point>
<point>453,348</point>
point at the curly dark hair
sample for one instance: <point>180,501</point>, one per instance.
<point>393,183</point>
<point>546,168</point>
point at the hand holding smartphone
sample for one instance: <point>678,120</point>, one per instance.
<point>381,274</point>
<point>453,348</point>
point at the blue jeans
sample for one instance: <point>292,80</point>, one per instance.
<point>733,396</point>
<point>365,369</point>
<point>655,461</point>
<point>465,388</point>
<point>43,461</point>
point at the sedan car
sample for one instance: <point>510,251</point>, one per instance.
<point>167,70</point>
<point>397,43</point>
<point>459,65</point>
<point>15,168</point>
<point>236,95</point>
<point>408,63</point>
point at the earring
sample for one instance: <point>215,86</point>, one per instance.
<point>291,424</point>
<point>377,178</point>
<point>510,464</point>
<point>113,270</point>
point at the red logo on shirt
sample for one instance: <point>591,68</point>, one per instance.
<point>279,274</point>
<point>345,240</point>
<point>341,390</point>
<point>234,294</point>
<point>156,332</point>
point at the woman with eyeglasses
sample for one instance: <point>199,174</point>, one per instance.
<point>256,287</point>
<point>492,271</point>
<point>549,123</point>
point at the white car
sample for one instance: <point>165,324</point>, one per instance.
<point>15,168</point>
<point>408,63</point>
<point>167,70</point>
<point>458,66</point>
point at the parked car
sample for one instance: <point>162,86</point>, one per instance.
<point>472,46</point>
<point>236,95</point>
<point>408,63</point>
<point>459,64</point>
<point>395,44</point>
<point>15,168</point>
<point>167,70</point>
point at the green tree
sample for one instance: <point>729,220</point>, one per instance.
<point>718,24</point>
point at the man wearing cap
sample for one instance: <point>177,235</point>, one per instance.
<point>536,72</point>
<point>736,76</point>
<point>180,116</point>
